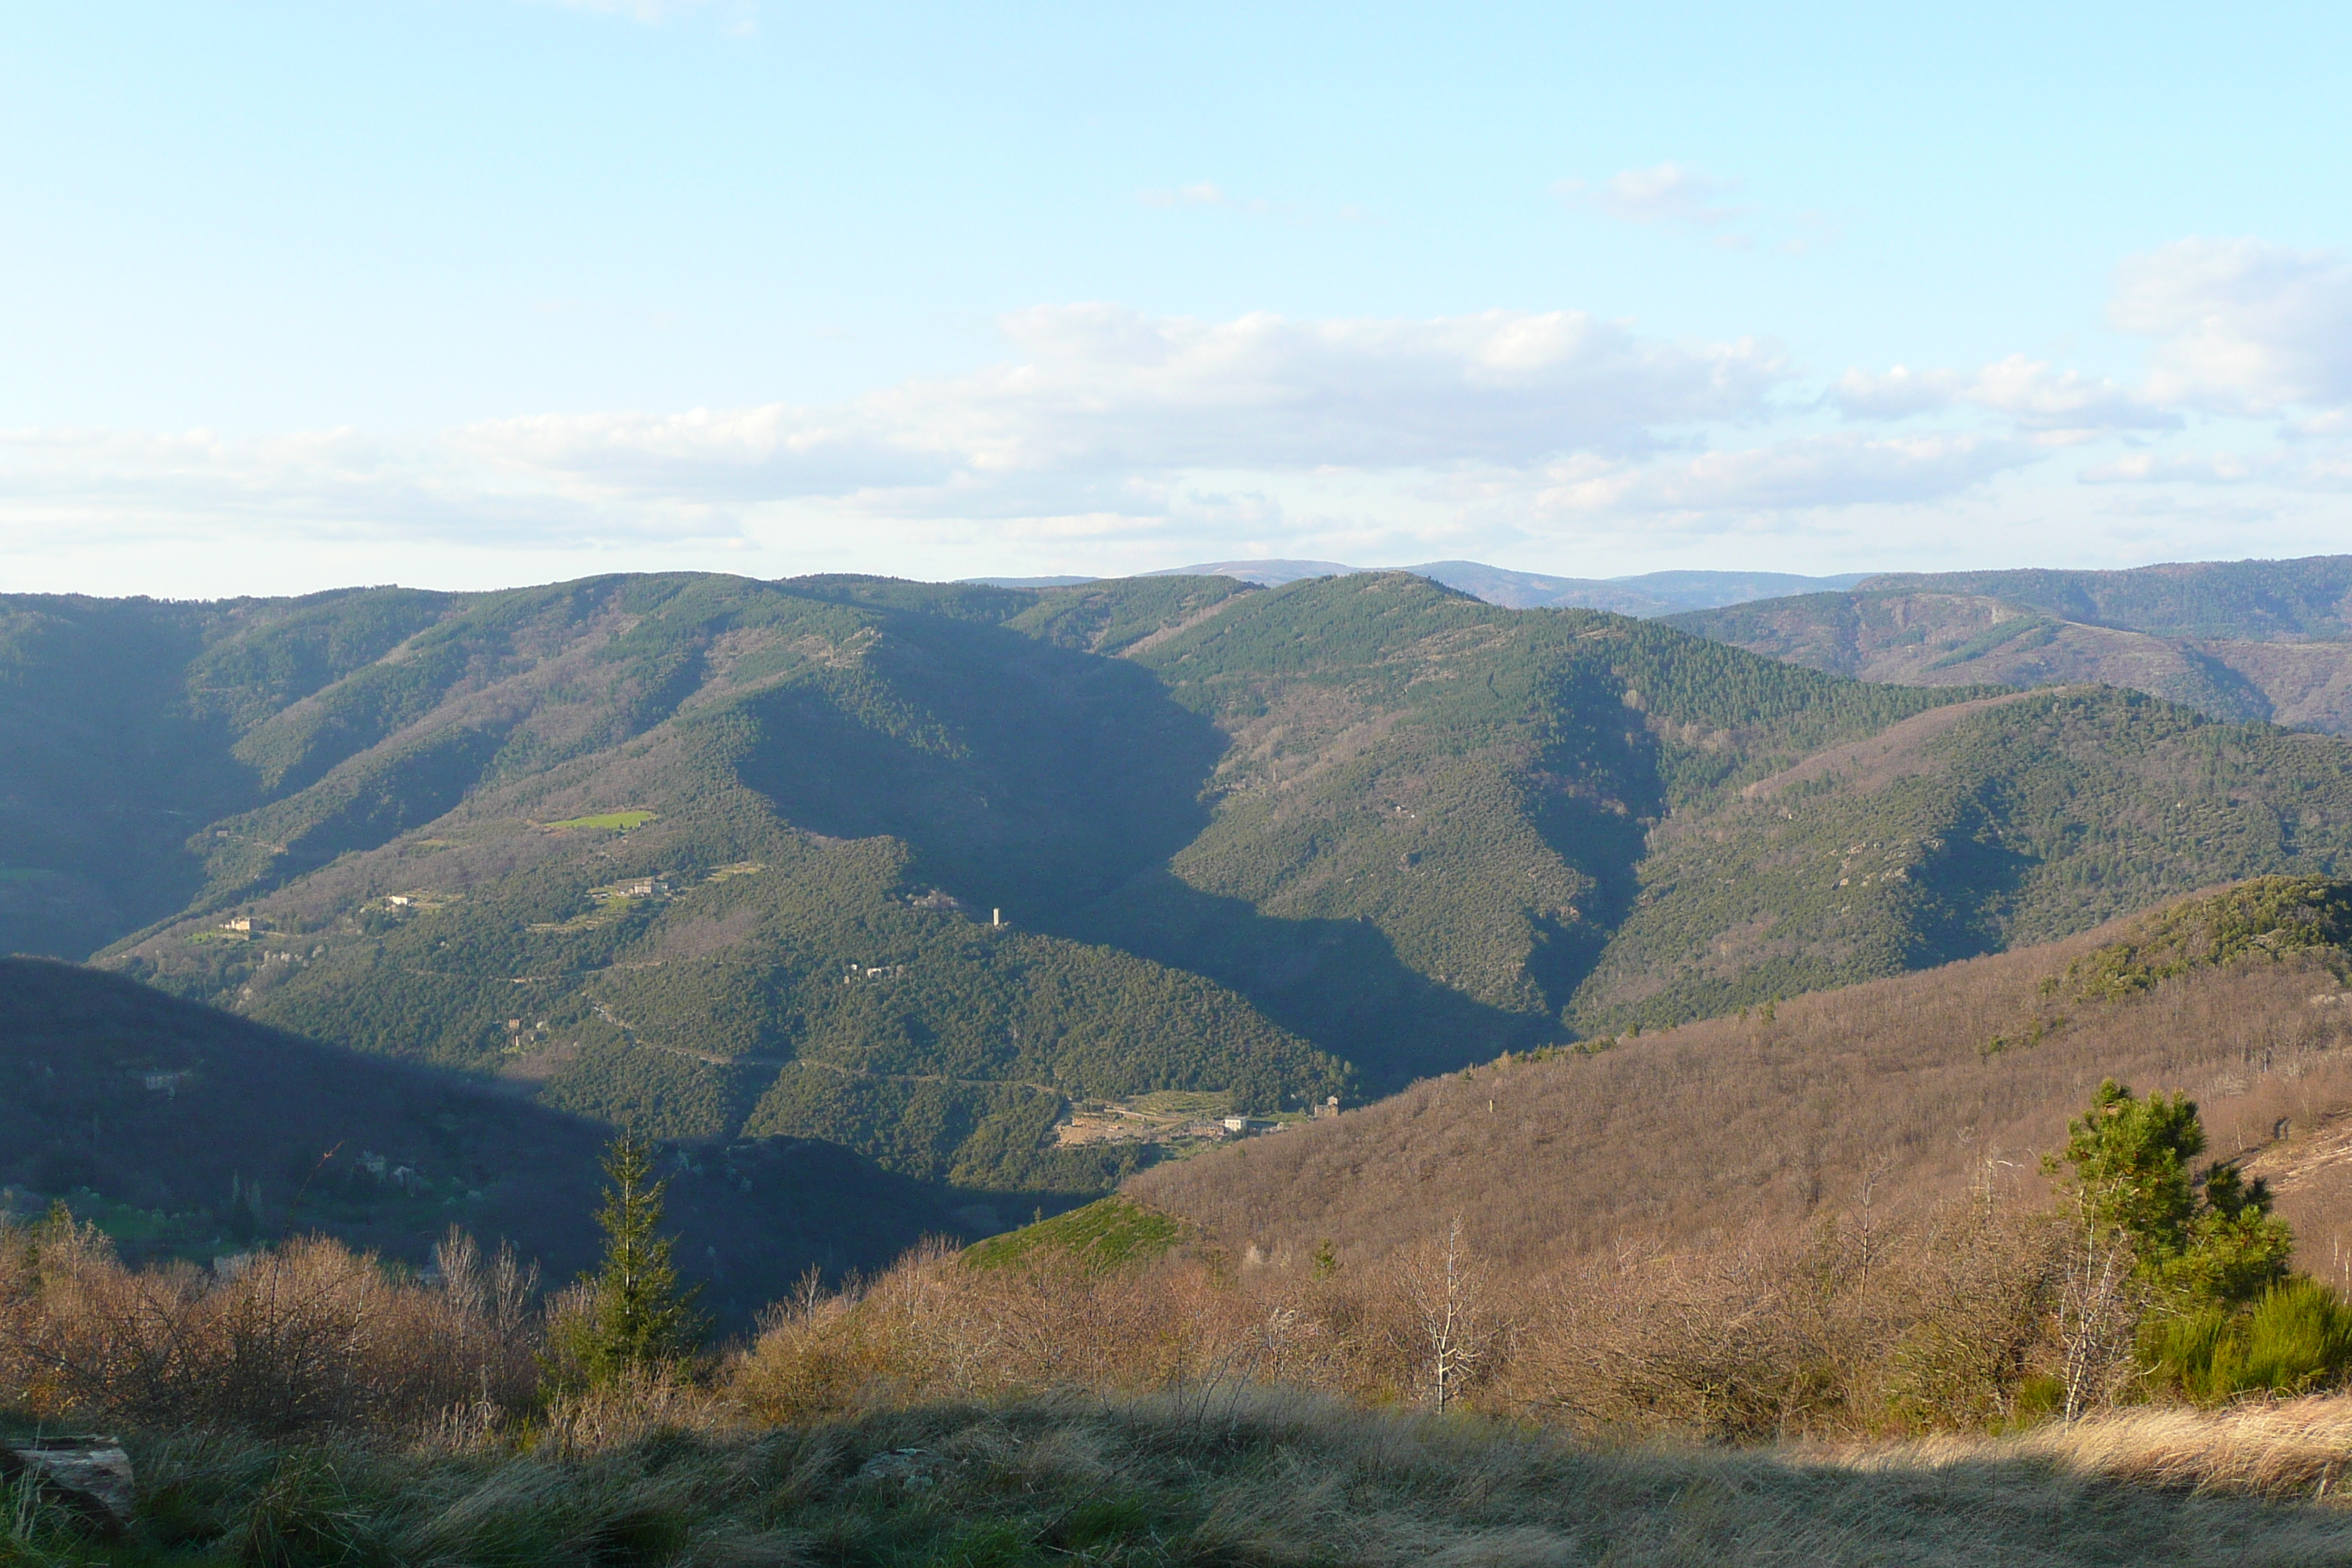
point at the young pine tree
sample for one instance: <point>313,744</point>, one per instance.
<point>2227,1316</point>
<point>637,1319</point>
<point>2132,1158</point>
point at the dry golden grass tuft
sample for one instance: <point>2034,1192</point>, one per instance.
<point>2289,1448</point>
<point>1245,1475</point>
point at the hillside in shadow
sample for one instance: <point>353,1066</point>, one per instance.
<point>188,1132</point>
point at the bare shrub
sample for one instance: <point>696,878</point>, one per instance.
<point>1917,1086</point>
<point>1935,1324</point>
<point>2100,1301</point>
<point>308,1335</point>
<point>623,1411</point>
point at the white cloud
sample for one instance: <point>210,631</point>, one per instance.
<point>1103,424</point>
<point>2053,406</point>
<point>1100,390</point>
<point>738,17</point>
<point>1208,193</point>
<point>2241,326</point>
<point>329,483</point>
<point>1899,394</point>
<point>652,11</point>
<point>1840,469</point>
<point>1121,439</point>
<point>1667,196</point>
<point>2329,468</point>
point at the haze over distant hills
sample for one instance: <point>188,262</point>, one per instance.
<point>1650,594</point>
<point>2242,639</point>
<point>724,858</point>
<point>2245,639</point>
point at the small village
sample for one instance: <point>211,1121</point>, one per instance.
<point>1177,1120</point>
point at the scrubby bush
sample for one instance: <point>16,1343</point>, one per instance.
<point>309,1336</point>
<point>2295,1339</point>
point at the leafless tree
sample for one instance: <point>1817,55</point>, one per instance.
<point>2099,1309</point>
<point>1447,1288</point>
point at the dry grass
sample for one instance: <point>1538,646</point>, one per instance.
<point>1249,1477</point>
<point>1187,1413</point>
<point>1947,1321</point>
<point>2278,1449</point>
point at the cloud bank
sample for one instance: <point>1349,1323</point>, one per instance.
<point>1109,430</point>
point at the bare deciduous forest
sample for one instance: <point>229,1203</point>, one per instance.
<point>1889,1098</point>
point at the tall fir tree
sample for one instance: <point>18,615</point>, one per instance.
<point>639,1320</point>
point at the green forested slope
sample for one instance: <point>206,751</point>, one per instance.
<point>718,856</point>
<point>836,754</point>
<point>1440,804</point>
<point>2253,600</point>
<point>2018,821</point>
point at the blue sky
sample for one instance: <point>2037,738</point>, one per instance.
<point>491,291</point>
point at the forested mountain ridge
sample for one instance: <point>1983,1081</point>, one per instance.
<point>2253,601</point>
<point>2237,640</point>
<point>1969,829</point>
<point>720,857</point>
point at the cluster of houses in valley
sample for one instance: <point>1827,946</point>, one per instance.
<point>1114,1122</point>
<point>407,1178</point>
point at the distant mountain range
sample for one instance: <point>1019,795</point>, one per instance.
<point>1651,594</point>
<point>2238,639</point>
<point>911,870</point>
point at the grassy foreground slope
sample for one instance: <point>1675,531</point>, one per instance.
<point>2238,640</point>
<point>1911,1090</point>
<point>1257,1478</point>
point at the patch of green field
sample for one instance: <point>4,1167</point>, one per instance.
<point>610,907</point>
<point>611,821</point>
<point>1182,1103</point>
<point>1108,1234</point>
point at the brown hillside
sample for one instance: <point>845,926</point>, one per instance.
<point>1931,638</point>
<point>1899,751</point>
<point>1894,1095</point>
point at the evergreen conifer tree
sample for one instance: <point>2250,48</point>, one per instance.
<point>638,1319</point>
<point>2132,1158</point>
